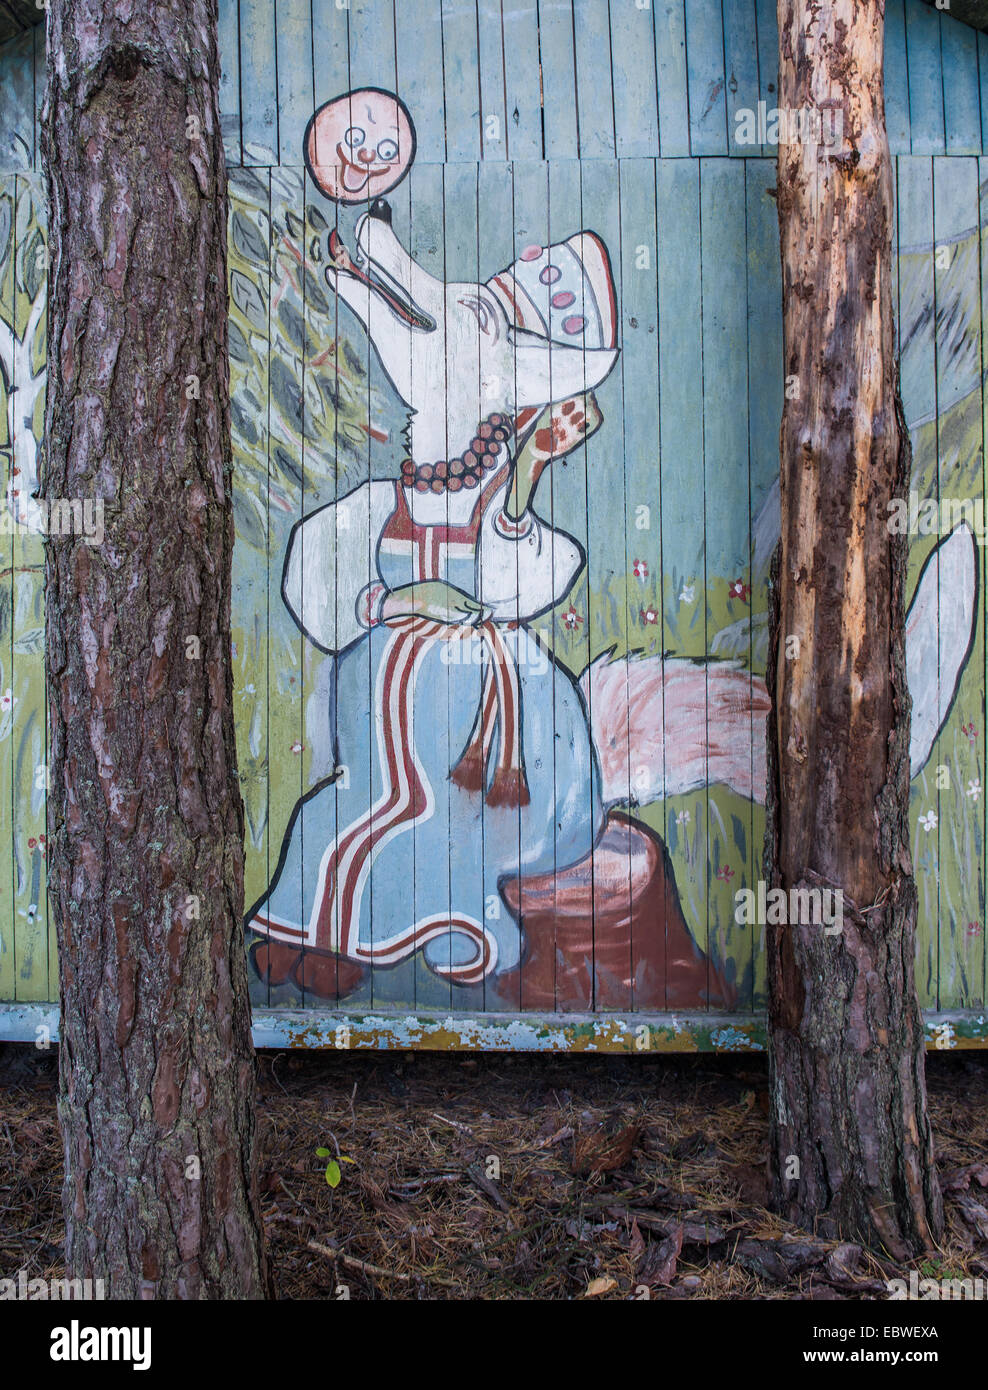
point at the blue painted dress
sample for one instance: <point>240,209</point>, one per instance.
<point>463,754</point>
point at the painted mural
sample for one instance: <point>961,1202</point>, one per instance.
<point>506,380</point>
<point>476,816</point>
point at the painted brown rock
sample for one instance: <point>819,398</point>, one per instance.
<point>608,933</point>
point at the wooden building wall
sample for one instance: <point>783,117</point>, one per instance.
<point>533,122</point>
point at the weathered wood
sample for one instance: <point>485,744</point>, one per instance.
<point>559,112</point>
<point>925,78</point>
<point>670,67</point>
<point>846,1039</point>
<point>258,83</point>
<point>156,1099</point>
<point>961,95</point>
<point>594,79</point>
<point>636,127</point>
<point>8,912</point>
<point>896,78</point>
<point>28,618</point>
<point>741,54</point>
<point>707,82</point>
<point>959,475</point>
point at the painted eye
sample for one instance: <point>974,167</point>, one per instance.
<point>387,151</point>
<point>354,137</point>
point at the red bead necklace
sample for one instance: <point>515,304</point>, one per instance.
<point>467,469</point>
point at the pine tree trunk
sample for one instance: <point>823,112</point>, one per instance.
<point>146,822</point>
<point>846,1036</point>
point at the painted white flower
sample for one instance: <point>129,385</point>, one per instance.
<point>929,821</point>
<point>7,701</point>
<point>683,818</point>
<point>298,747</point>
<point>974,789</point>
<point>688,593</point>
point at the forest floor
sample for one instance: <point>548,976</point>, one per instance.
<point>516,1177</point>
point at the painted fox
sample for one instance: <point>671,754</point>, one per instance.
<point>478,769</point>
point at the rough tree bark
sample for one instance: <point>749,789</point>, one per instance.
<point>157,1070</point>
<point>846,1036</point>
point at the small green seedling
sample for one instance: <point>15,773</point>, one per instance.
<point>333,1171</point>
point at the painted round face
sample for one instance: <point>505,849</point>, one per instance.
<point>358,146</point>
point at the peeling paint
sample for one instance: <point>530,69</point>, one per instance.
<point>638,1034</point>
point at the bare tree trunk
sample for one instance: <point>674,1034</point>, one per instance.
<point>157,1069</point>
<point>846,1035</point>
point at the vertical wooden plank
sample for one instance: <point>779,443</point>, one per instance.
<point>493,114</point>
<point>40,83</point>
<point>896,78</point>
<point>258,82</point>
<point>522,82</point>
<point>670,68</point>
<point>17,110</point>
<point>285,434</point>
<point>707,82</point>
<point>925,78</point>
<point>983,245</point>
<point>419,44</point>
<point>8,192</point>
<point>427,246</point>
<point>466,810</point>
<point>295,79</point>
<point>255,556</point>
<point>558,62</point>
<point>983,85</point>
<point>638,298</point>
<point>461,80</point>
<point>765,400</point>
<point>594,80</point>
<point>330,51</point>
<point>372,45</point>
<point>607,540</point>
<point>684,817</point>
<point>550,210</point>
<point>918,376</point>
<point>741,54</point>
<point>28,684</point>
<point>725,510</point>
<point>960,464</point>
<point>229,46</point>
<point>495,252</point>
<point>636,101</point>
<point>961,88</point>
<point>767,28</point>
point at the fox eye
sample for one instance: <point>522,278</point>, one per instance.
<point>485,312</point>
<point>355,136</point>
<point>387,151</point>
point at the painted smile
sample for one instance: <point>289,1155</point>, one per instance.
<point>395,296</point>
<point>357,176</point>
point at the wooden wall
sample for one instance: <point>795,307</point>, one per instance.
<point>534,121</point>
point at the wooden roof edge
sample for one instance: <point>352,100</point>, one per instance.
<point>973,12</point>
<point>17,16</point>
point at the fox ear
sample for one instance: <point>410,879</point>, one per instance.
<point>547,371</point>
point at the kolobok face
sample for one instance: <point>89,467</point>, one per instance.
<point>448,349</point>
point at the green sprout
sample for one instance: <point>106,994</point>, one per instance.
<point>333,1171</point>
